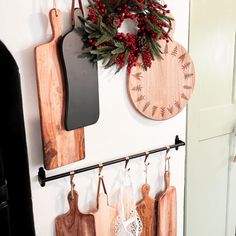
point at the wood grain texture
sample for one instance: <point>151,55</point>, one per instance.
<point>167,210</point>
<point>104,217</point>
<point>60,146</point>
<point>146,211</point>
<point>163,90</point>
<point>74,223</point>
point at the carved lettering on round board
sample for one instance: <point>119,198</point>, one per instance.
<point>163,90</point>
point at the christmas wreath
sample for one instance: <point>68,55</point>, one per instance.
<point>103,41</point>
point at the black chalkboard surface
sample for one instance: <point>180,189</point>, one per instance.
<point>81,80</point>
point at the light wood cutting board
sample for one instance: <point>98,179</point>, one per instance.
<point>60,147</point>
<point>167,210</point>
<point>104,215</point>
<point>163,90</point>
<point>146,211</point>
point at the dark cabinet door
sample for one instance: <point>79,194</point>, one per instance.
<point>17,212</point>
<point>4,209</point>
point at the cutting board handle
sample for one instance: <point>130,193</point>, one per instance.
<point>73,201</point>
<point>55,19</point>
<point>145,190</point>
<point>78,12</point>
<point>75,12</point>
<point>167,179</point>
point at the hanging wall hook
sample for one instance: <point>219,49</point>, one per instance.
<point>146,157</point>
<point>126,162</point>
<point>42,178</point>
<point>146,166</point>
<point>167,160</point>
<point>100,179</point>
<point>72,185</point>
<point>72,13</point>
<point>100,170</point>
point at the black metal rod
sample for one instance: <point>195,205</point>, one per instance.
<point>43,179</point>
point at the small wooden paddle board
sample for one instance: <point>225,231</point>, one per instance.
<point>167,210</point>
<point>74,223</point>
<point>146,211</point>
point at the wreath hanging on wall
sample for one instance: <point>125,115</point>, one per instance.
<point>103,41</point>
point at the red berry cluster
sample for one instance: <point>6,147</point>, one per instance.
<point>101,8</point>
<point>135,45</point>
<point>131,41</point>
<point>92,16</point>
<point>131,45</point>
<point>120,59</point>
<point>147,59</point>
<point>132,59</point>
<point>120,36</point>
<point>91,42</point>
<point>126,12</point>
<point>142,19</point>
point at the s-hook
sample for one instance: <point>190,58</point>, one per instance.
<point>146,167</point>
<point>167,160</point>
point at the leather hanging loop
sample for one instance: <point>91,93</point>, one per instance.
<point>100,179</point>
<point>72,185</point>
<point>73,13</point>
<point>81,6</point>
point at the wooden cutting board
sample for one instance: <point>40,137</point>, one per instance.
<point>81,79</point>
<point>167,210</point>
<point>74,223</point>
<point>146,211</point>
<point>104,215</point>
<point>163,90</point>
<point>60,147</point>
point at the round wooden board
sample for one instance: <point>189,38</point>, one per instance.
<point>163,90</point>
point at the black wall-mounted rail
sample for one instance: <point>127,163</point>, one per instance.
<point>43,179</point>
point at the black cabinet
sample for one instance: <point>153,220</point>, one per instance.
<point>16,213</point>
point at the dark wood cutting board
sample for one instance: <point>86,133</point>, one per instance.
<point>74,223</point>
<point>167,210</point>
<point>81,79</point>
<point>60,146</point>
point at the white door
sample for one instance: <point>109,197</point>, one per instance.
<point>210,200</point>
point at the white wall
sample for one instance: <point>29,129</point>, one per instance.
<point>119,131</point>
